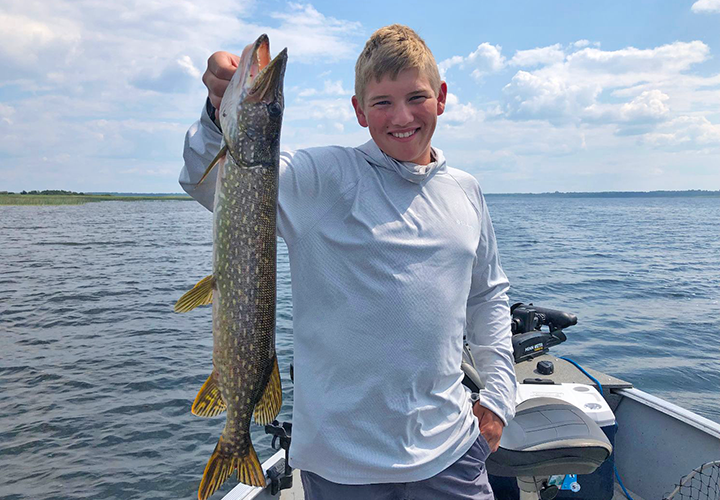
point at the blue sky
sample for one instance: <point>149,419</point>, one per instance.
<point>544,95</point>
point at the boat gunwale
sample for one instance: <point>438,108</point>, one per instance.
<point>688,417</point>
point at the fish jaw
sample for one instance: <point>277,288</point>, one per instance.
<point>252,106</point>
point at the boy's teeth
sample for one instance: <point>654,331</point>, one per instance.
<point>403,135</point>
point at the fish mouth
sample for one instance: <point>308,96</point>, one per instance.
<point>265,76</point>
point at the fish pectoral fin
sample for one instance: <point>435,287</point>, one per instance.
<point>209,401</point>
<point>221,466</point>
<point>269,405</point>
<point>200,295</point>
<point>221,154</point>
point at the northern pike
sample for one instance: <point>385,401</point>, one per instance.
<point>245,378</point>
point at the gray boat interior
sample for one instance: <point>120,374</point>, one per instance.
<point>656,444</point>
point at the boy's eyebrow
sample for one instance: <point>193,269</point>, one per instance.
<point>381,97</point>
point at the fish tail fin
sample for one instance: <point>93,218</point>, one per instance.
<point>249,469</point>
<point>221,466</point>
<point>269,405</point>
<point>200,295</point>
<point>209,401</point>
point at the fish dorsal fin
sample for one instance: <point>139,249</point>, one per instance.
<point>269,405</point>
<point>221,154</point>
<point>209,402</point>
<point>200,295</point>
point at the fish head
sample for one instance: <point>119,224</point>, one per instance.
<point>252,107</point>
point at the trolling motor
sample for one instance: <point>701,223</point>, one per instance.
<point>528,340</point>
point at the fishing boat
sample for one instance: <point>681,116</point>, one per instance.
<point>578,433</point>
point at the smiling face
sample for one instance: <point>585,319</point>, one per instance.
<point>401,114</point>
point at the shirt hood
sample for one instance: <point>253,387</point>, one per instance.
<point>407,170</point>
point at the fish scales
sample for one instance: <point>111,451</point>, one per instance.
<point>245,380</point>
<point>244,298</point>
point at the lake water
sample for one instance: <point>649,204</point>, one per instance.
<point>97,374</point>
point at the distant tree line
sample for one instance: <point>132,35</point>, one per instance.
<point>47,192</point>
<point>619,194</point>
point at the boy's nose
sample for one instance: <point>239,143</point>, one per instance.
<point>401,115</point>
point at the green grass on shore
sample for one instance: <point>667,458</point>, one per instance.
<point>77,199</point>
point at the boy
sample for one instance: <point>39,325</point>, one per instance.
<point>393,258</point>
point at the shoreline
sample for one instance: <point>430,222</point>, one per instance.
<point>80,199</point>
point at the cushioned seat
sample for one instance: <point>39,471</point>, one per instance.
<point>549,436</point>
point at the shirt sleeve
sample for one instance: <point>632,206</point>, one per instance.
<point>202,144</point>
<point>488,324</point>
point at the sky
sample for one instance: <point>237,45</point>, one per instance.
<point>619,95</point>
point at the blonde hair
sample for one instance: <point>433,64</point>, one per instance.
<point>389,51</point>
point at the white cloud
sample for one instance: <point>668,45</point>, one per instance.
<point>330,87</point>
<point>685,132</point>
<point>313,36</point>
<point>648,105</point>
<point>443,66</point>
<point>458,113</point>
<point>24,40</point>
<point>6,113</point>
<point>88,75</point>
<point>483,60</point>
<point>550,97</point>
<point>638,63</point>
<point>706,6</point>
<point>333,109</point>
<point>538,56</point>
<point>581,44</point>
<point>575,88</point>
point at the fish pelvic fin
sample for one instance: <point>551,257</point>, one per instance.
<point>269,405</point>
<point>216,160</point>
<point>209,401</point>
<point>221,466</point>
<point>200,295</point>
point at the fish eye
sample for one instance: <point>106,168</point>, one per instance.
<point>275,109</point>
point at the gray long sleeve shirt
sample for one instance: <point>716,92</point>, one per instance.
<point>391,264</point>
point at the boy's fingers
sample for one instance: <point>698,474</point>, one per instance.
<point>216,88</point>
<point>223,64</point>
<point>220,69</point>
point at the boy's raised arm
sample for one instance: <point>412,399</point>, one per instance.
<point>202,141</point>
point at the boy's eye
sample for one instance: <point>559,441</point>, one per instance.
<point>418,98</point>
<point>381,103</point>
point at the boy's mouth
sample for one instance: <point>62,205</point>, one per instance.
<point>404,135</point>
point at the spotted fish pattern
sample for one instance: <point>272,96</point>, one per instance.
<point>242,289</point>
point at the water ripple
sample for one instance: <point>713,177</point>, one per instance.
<point>98,374</point>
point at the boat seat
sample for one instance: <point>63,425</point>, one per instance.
<point>547,437</point>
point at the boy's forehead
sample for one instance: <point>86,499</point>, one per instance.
<point>408,80</point>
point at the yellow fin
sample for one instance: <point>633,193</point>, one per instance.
<point>269,405</point>
<point>209,402</point>
<point>200,295</point>
<point>249,469</point>
<point>219,468</point>
<point>218,157</point>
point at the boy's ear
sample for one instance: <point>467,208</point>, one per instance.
<point>361,118</point>
<point>442,98</point>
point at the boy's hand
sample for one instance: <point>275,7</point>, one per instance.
<point>491,427</point>
<point>220,69</point>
